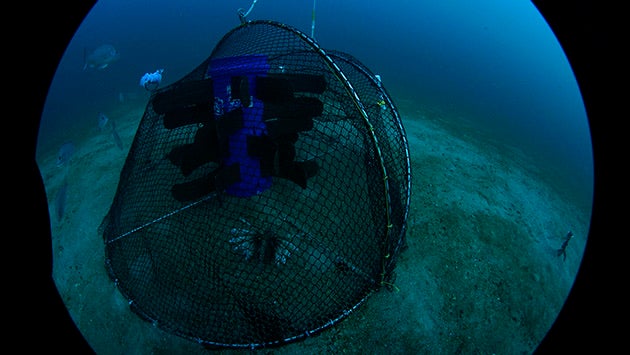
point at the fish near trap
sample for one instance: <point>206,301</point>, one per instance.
<point>265,194</point>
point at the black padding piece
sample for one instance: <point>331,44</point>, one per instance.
<point>282,87</point>
<point>178,117</point>
<point>204,149</point>
<point>240,90</point>
<point>315,84</point>
<point>183,95</point>
<point>230,122</point>
<point>227,175</point>
<point>270,89</point>
<point>195,189</point>
<point>295,108</point>
<point>263,148</point>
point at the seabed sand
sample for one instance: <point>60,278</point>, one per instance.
<point>480,274</point>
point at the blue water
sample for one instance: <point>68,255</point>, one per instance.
<point>496,63</point>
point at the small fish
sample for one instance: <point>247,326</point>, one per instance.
<point>102,121</point>
<point>117,139</point>
<point>65,154</point>
<point>126,96</point>
<point>101,57</point>
<point>60,200</point>
<point>563,248</point>
<point>243,91</point>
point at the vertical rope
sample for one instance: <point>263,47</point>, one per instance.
<point>313,21</point>
<point>242,15</point>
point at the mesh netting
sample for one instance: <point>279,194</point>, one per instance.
<point>264,196</point>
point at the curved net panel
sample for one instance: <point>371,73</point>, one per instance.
<point>265,194</point>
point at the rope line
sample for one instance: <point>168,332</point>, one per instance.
<point>205,198</point>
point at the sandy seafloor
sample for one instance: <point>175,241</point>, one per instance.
<point>480,274</point>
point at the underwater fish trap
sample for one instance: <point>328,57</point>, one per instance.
<point>265,194</point>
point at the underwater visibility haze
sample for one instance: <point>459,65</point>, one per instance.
<point>499,144</point>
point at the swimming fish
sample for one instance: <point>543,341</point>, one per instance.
<point>563,248</point>
<point>60,200</point>
<point>101,57</point>
<point>65,154</point>
<point>117,139</point>
<point>102,121</point>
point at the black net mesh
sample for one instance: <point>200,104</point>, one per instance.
<point>264,196</point>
